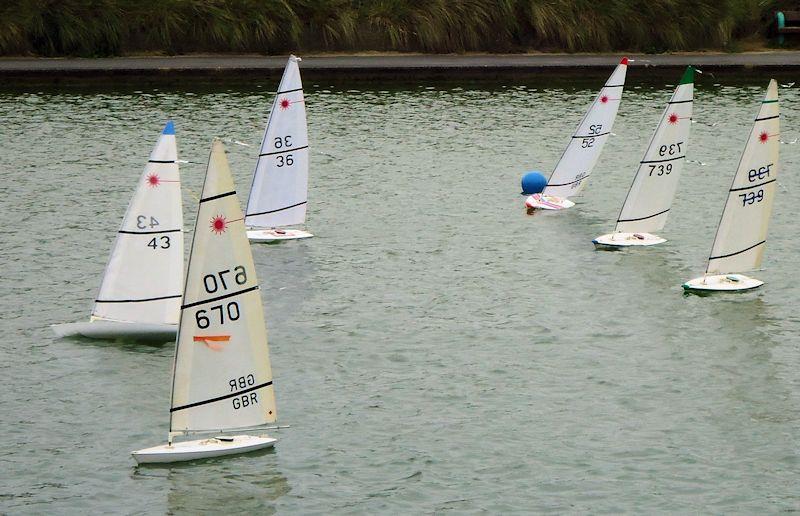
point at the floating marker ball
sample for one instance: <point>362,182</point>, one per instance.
<point>533,182</point>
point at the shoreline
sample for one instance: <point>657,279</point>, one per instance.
<point>381,64</point>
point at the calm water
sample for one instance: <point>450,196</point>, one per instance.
<point>435,349</point>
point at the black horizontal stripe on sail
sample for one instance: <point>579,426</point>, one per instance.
<point>644,218</point>
<point>750,187</point>
<point>218,298</point>
<point>570,183</point>
<point>221,398</point>
<point>283,151</point>
<point>613,86</point>
<point>275,211</point>
<point>591,135</point>
<point>289,91</point>
<point>220,196</point>
<point>136,300</point>
<point>737,252</point>
<point>767,118</point>
<point>161,161</point>
<point>680,101</point>
<point>126,232</point>
<point>662,160</point>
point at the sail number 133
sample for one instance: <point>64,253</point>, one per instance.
<point>219,282</point>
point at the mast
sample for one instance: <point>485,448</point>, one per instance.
<point>222,378</point>
<point>279,192</point>
<point>143,277</point>
<point>650,196</point>
<point>742,232</point>
<point>586,144</point>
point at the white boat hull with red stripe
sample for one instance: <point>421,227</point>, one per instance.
<point>548,202</point>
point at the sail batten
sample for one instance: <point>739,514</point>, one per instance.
<point>649,199</point>
<point>279,192</point>
<point>144,274</point>
<point>742,232</point>
<point>222,378</point>
<point>587,142</point>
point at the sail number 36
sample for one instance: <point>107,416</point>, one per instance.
<point>224,312</point>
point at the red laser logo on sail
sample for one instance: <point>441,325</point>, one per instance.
<point>673,118</point>
<point>219,224</point>
<point>604,99</point>
<point>285,103</point>
<point>213,342</point>
<point>153,180</point>
<point>763,137</point>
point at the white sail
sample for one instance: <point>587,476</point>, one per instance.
<point>279,193</point>
<point>143,278</point>
<point>587,143</point>
<point>742,233</point>
<point>222,378</point>
<point>650,197</point>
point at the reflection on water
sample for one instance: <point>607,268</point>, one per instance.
<point>433,346</point>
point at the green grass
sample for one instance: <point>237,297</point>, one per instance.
<point>115,27</point>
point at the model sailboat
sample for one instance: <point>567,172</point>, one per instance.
<point>140,293</point>
<point>650,197</point>
<point>583,151</point>
<point>742,232</point>
<point>222,380</point>
<point>279,193</point>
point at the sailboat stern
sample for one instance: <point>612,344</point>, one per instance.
<point>202,449</point>
<point>722,283</point>
<point>615,241</point>
<point>117,330</point>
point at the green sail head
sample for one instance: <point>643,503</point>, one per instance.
<point>688,75</point>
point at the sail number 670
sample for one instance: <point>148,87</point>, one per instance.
<point>212,282</point>
<point>223,312</point>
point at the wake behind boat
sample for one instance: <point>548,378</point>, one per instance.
<point>583,150</point>
<point>140,296</point>
<point>742,232</point>
<point>222,380</point>
<point>279,193</point>
<point>650,197</point>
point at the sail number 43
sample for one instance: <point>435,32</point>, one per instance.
<point>216,282</point>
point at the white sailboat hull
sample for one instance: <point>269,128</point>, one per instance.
<point>202,449</point>
<point>722,283</point>
<point>617,240</point>
<point>275,235</point>
<point>548,202</point>
<point>117,330</point>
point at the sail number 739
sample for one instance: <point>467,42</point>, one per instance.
<point>217,282</point>
<point>752,197</point>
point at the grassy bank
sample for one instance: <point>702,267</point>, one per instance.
<point>118,27</point>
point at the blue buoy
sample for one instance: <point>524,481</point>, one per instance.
<point>533,182</point>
